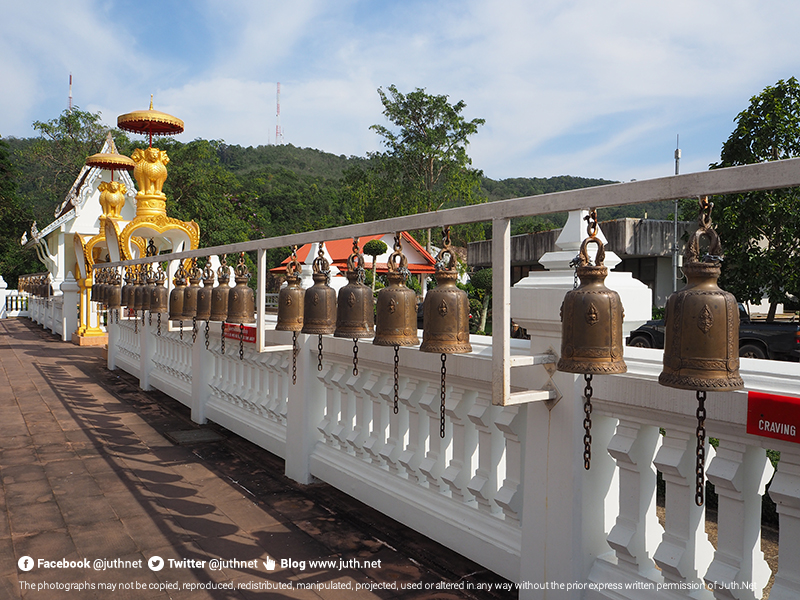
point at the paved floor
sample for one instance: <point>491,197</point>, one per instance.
<point>88,474</point>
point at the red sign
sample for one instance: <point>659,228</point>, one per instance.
<point>232,332</point>
<point>773,416</point>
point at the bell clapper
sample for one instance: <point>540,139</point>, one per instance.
<point>701,448</point>
<point>396,377</point>
<point>294,357</point>
<point>355,356</point>
<point>319,349</point>
<point>587,422</point>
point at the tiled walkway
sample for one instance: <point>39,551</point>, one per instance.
<point>87,473</point>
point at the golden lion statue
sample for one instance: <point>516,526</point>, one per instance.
<point>150,171</point>
<point>112,198</point>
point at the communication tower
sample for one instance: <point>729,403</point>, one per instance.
<point>278,128</point>
<point>70,92</point>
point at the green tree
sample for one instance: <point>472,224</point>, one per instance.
<point>482,282</point>
<point>427,150</point>
<point>760,231</point>
<point>14,220</point>
<point>375,248</point>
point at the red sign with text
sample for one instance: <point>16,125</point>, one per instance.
<point>248,331</point>
<point>773,416</point>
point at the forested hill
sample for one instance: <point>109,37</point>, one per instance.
<point>236,194</point>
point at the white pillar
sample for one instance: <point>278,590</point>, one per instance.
<point>3,293</point>
<point>69,312</point>
<point>563,516</point>
<point>304,412</point>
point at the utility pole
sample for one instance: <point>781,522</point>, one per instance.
<point>675,253</point>
<point>278,128</point>
<point>70,92</point>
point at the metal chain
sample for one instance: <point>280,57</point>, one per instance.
<point>701,449</point>
<point>135,325</point>
<point>142,317</point>
<point>241,341</point>
<point>396,377</point>
<point>149,319</point>
<point>222,338</point>
<point>444,392</point>
<point>587,422</point>
<point>294,357</point>
<point>194,330</point>
<point>206,335</point>
<point>159,324</point>
<point>355,356</point>
<point>319,355</point>
<point>181,329</point>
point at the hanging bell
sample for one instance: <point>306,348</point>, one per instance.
<point>176,295</point>
<point>93,296</point>
<point>355,312</point>
<point>158,295</point>
<point>701,335</point>
<point>204,294</point>
<point>591,320</point>
<point>190,292</point>
<point>396,314</point>
<point>150,283</point>
<point>140,289</point>
<point>319,303</point>
<point>290,298</point>
<point>219,295</point>
<point>241,302</point>
<point>114,292</point>
<point>446,309</point>
<point>127,288</point>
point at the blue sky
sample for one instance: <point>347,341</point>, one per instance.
<point>567,87</point>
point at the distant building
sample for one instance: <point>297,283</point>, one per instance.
<point>644,245</point>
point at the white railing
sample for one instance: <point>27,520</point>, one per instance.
<point>506,485</point>
<point>15,304</point>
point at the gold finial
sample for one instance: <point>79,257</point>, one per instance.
<point>151,101</point>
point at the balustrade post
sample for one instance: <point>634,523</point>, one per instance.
<point>785,491</point>
<point>147,350</point>
<point>433,464</point>
<point>685,552</point>
<point>305,409</point>
<point>3,295</point>
<point>458,473</point>
<point>739,474</point>
<point>201,372</point>
<point>484,484</point>
<point>509,497</point>
<point>398,425</point>
<point>362,388</point>
<point>636,533</point>
<point>411,456</point>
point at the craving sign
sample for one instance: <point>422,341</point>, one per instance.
<point>232,333</point>
<point>773,416</point>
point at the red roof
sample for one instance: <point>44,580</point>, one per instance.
<point>340,250</point>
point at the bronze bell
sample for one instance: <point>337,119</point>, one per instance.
<point>127,288</point>
<point>114,292</point>
<point>150,283</point>
<point>140,289</point>
<point>241,302</point>
<point>701,335</point>
<point>204,294</point>
<point>396,315</point>
<point>319,303</point>
<point>190,292</point>
<point>290,298</point>
<point>355,312</point>
<point>591,320</point>
<point>446,309</point>
<point>176,295</point>
<point>158,295</point>
<point>219,295</point>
